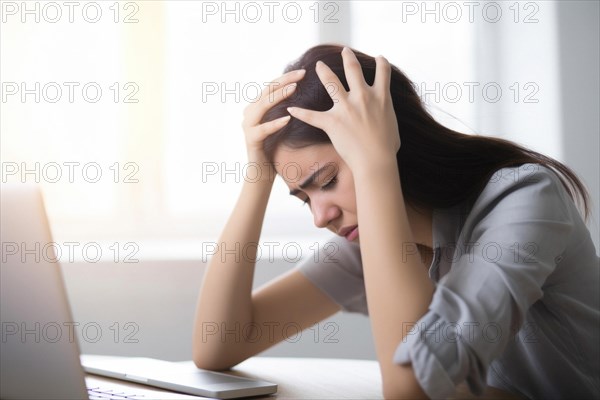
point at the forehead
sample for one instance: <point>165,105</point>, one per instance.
<point>295,165</point>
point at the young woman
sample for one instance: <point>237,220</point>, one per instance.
<point>467,252</point>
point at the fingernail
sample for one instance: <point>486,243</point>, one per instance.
<point>319,63</point>
<point>291,110</point>
<point>285,119</point>
<point>300,71</point>
<point>345,49</point>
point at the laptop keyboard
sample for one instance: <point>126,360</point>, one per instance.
<point>98,393</point>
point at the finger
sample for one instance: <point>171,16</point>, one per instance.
<point>254,113</point>
<point>285,79</point>
<point>353,70</point>
<point>270,95</point>
<point>383,73</point>
<point>288,77</point>
<point>332,84</point>
<point>267,102</point>
<point>317,119</point>
<point>268,128</point>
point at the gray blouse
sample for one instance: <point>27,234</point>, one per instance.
<point>516,304</point>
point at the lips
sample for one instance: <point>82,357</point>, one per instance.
<point>346,230</point>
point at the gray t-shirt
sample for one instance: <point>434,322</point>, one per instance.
<point>516,304</point>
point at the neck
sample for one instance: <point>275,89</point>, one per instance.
<point>420,220</point>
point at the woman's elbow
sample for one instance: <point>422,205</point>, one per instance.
<point>211,364</point>
<point>208,358</point>
<point>201,360</point>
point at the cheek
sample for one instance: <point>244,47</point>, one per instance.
<point>349,194</point>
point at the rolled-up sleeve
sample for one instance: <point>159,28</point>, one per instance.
<point>510,243</point>
<point>337,271</point>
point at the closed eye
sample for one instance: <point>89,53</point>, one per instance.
<point>328,186</point>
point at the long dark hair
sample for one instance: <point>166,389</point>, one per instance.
<point>439,167</point>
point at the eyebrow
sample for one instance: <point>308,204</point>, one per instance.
<point>309,181</point>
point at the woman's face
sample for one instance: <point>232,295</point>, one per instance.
<point>316,174</point>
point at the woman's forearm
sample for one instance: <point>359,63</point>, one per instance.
<point>397,284</point>
<point>225,301</point>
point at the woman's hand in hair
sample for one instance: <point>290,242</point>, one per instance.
<point>255,132</point>
<point>361,124</point>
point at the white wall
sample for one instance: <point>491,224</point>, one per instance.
<point>578,41</point>
<point>556,53</point>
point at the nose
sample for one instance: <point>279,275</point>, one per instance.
<point>324,212</point>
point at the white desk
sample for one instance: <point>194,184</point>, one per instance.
<point>315,378</point>
<point>308,378</point>
<point>296,378</point>
<point>326,378</point>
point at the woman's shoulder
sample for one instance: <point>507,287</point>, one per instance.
<point>528,174</point>
<point>529,197</point>
<point>529,183</point>
<point>510,196</point>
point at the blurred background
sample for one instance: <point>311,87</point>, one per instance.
<point>128,114</point>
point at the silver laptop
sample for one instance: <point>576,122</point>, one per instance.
<point>39,351</point>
